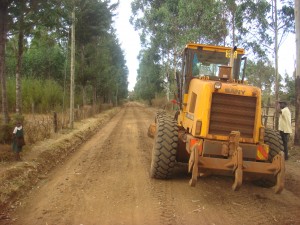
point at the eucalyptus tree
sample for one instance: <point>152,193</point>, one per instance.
<point>103,62</point>
<point>149,78</point>
<point>297,72</point>
<point>266,24</point>
<point>4,4</point>
<point>93,19</point>
<point>168,25</point>
<point>261,74</point>
<point>230,11</point>
<point>22,17</point>
<point>257,25</point>
<point>289,88</point>
<point>38,44</point>
<point>119,71</point>
<point>112,73</point>
<point>21,22</point>
<point>26,17</point>
<point>163,25</point>
<point>43,58</point>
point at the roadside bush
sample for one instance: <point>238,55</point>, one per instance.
<point>163,103</point>
<point>41,95</point>
<point>38,127</point>
<point>7,129</point>
<point>38,96</point>
<point>6,133</point>
<point>159,102</point>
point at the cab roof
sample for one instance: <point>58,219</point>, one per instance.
<point>213,48</point>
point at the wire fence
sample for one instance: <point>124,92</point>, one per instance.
<point>38,127</point>
<point>268,117</point>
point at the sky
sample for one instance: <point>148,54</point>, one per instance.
<point>287,55</point>
<point>129,39</point>
<point>130,43</point>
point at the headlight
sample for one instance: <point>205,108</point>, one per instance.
<point>218,85</point>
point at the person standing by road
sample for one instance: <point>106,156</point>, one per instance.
<point>18,140</point>
<point>285,126</point>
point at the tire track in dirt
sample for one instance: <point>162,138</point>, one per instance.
<point>254,204</point>
<point>123,177</point>
<point>107,182</point>
<point>160,189</point>
<point>138,160</point>
<point>177,202</point>
<point>63,191</point>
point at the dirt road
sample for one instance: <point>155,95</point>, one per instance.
<point>107,181</point>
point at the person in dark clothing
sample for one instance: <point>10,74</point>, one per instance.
<point>18,140</point>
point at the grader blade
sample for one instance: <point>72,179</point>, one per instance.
<point>238,157</point>
<point>280,174</point>
<point>193,164</point>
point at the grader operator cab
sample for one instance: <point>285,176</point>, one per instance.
<point>218,128</point>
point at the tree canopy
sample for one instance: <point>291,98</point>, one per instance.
<point>167,26</point>
<point>38,49</point>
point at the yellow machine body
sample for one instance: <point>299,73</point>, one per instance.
<point>218,128</point>
<point>220,125</point>
<point>198,109</point>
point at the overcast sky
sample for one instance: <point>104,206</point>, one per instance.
<point>287,55</point>
<point>130,44</point>
<point>129,40</point>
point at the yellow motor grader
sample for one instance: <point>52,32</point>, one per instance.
<point>218,127</point>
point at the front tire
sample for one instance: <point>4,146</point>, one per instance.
<point>165,147</point>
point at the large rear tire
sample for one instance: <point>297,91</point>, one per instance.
<point>165,147</point>
<point>273,139</point>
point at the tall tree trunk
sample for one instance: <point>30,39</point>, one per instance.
<point>94,95</point>
<point>72,85</point>
<point>297,83</point>
<point>83,84</point>
<point>233,29</point>
<point>117,93</point>
<point>94,99</point>
<point>3,34</point>
<point>276,66</point>
<point>267,113</point>
<point>168,74</point>
<point>83,95</point>
<point>19,60</point>
<point>172,88</point>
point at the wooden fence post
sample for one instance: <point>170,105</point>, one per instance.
<point>55,122</point>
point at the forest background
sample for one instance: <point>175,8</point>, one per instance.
<point>166,26</point>
<point>35,49</point>
<point>35,57</point>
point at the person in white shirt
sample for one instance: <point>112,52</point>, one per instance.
<point>285,126</point>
